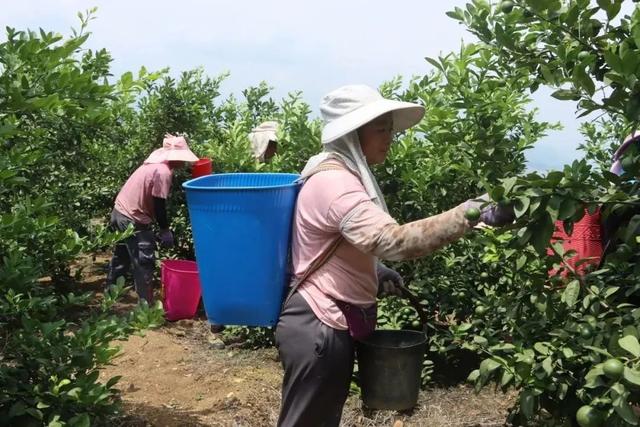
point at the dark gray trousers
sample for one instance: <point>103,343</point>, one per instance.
<point>136,253</point>
<point>318,364</point>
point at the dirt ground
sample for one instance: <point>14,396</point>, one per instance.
<point>174,376</point>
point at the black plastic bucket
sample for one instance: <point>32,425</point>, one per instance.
<point>390,367</point>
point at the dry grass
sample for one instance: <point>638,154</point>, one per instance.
<point>172,378</point>
<point>438,407</point>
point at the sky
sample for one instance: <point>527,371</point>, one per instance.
<point>293,45</point>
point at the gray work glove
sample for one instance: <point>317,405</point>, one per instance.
<point>495,215</point>
<point>389,281</point>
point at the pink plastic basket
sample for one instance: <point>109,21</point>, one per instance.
<point>180,288</point>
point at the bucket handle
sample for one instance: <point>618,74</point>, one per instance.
<point>415,303</point>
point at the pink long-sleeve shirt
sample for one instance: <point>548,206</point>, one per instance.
<point>333,203</point>
<point>135,199</point>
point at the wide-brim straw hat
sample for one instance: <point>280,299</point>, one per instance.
<point>349,107</point>
<point>174,148</point>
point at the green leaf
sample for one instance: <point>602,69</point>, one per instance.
<point>630,62</point>
<point>464,327</point>
<point>505,346</point>
<point>571,293</point>
<point>113,381</point>
<point>17,409</point>
<point>613,61</point>
<point>480,340</point>
<point>547,365</point>
<point>553,207</point>
<point>434,63</point>
<point>81,420</point>
<point>456,14</point>
<point>548,75</point>
<point>582,80</point>
<point>474,375</point>
<point>593,378</point>
<point>487,366</point>
<point>542,348</point>
<point>541,234</point>
<point>612,7</point>
<point>528,403</point>
<point>521,206</point>
<point>611,290</point>
<point>508,184</point>
<point>566,95</point>
<point>567,209</point>
<point>507,377</point>
<point>630,344</point>
<point>567,352</point>
<point>35,413</point>
<point>624,411</point>
<point>632,376</point>
<point>630,330</point>
<point>75,392</point>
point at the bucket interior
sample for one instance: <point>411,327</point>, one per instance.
<point>180,265</point>
<point>394,339</point>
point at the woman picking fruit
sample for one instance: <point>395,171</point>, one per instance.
<point>341,230</point>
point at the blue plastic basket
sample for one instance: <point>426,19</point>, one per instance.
<point>241,229</point>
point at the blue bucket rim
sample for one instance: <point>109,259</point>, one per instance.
<point>189,184</point>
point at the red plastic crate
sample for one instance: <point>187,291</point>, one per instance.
<point>586,240</point>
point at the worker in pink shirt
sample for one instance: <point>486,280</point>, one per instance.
<point>341,218</point>
<point>142,200</point>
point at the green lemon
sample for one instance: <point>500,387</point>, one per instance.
<point>632,107</point>
<point>506,6</point>
<point>480,310</point>
<point>613,368</point>
<point>588,416</point>
<point>472,214</point>
<point>585,331</point>
<point>628,164</point>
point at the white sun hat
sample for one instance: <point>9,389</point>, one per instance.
<point>260,137</point>
<point>174,148</point>
<point>349,107</point>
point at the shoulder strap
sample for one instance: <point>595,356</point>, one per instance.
<point>314,266</point>
<point>324,257</point>
<point>325,166</point>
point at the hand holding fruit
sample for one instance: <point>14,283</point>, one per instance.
<point>483,210</point>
